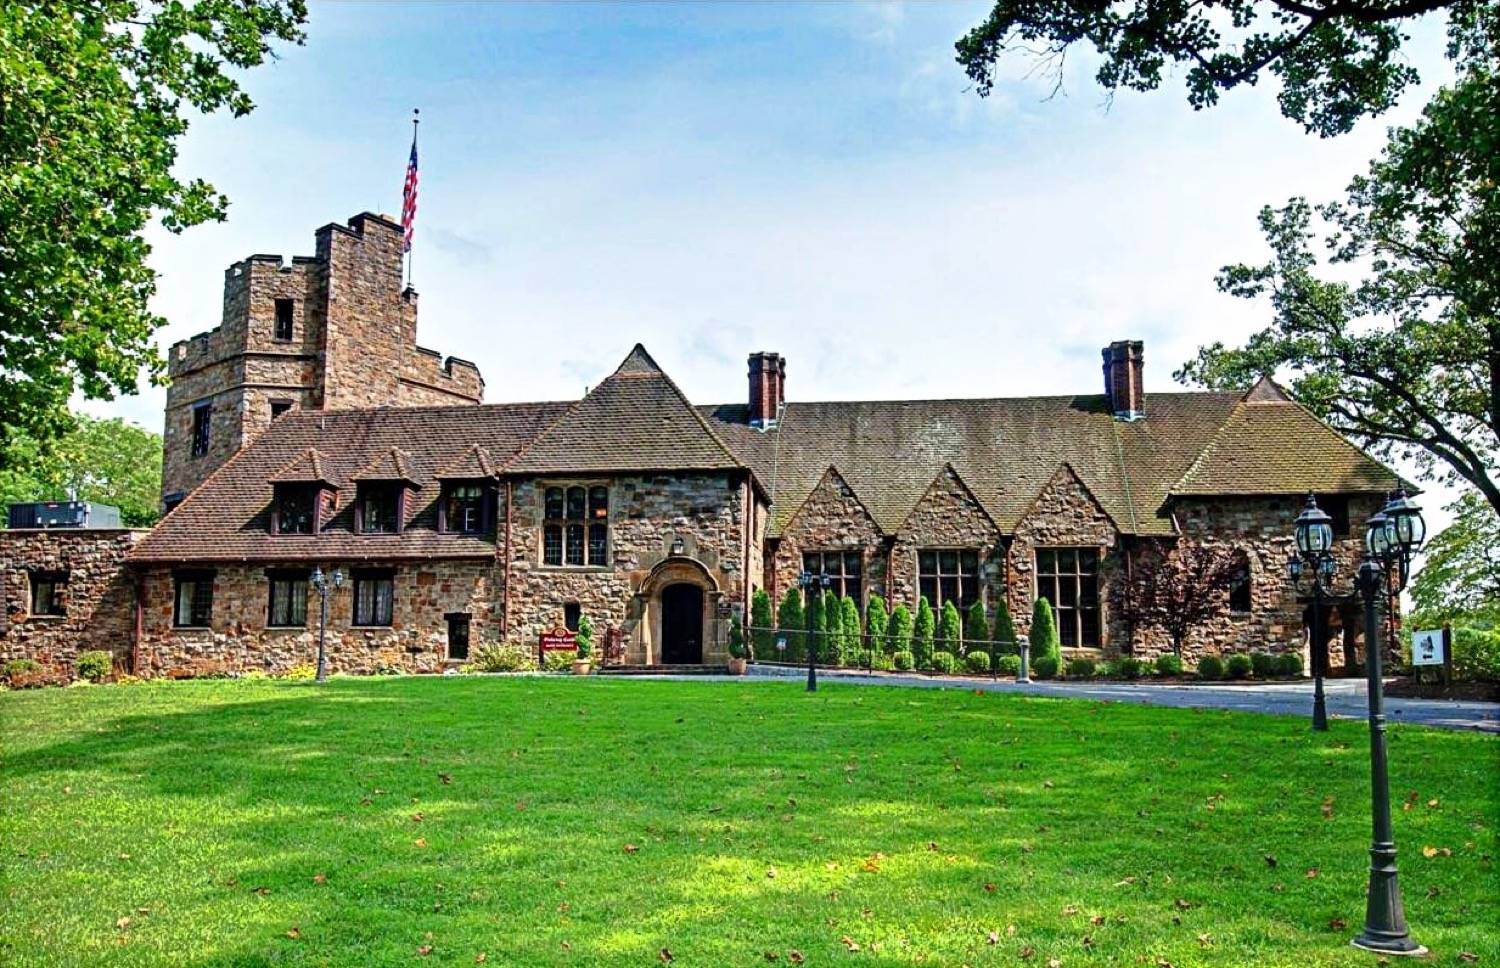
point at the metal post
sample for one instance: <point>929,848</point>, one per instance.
<point>1319,657</point>
<point>1025,675</point>
<point>323,631</point>
<point>1385,920</point>
<point>812,644</point>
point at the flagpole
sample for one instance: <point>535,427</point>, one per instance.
<point>408,196</point>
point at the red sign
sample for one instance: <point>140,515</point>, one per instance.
<point>559,640</point>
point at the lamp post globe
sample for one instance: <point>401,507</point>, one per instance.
<point>1312,533</point>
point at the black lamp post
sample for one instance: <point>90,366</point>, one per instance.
<point>812,585</point>
<point>322,583</point>
<point>1314,560</point>
<point>1393,535</point>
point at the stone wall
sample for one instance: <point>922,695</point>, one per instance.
<point>831,519</point>
<point>238,639</point>
<point>647,514</point>
<point>98,600</point>
<point>947,516</point>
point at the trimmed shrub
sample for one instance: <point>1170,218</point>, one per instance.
<point>976,629</point>
<point>1168,664</point>
<point>1044,667</point>
<point>585,639</point>
<point>1081,669</point>
<point>977,662</point>
<point>560,661</point>
<point>762,626</point>
<point>1043,630</point>
<point>898,633</point>
<point>816,620</point>
<point>924,632</point>
<point>502,658</point>
<point>852,640</point>
<point>1238,666</point>
<point>737,649</point>
<point>1128,667</point>
<point>950,631</point>
<point>1288,665</point>
<point>1007,664</point>
<point>791,624</point>
<point>1263,664</point>
<point>904,661</point>
<point>1005,631</point>
<point>92,666</point>
<point>943,661</point>
<point>877,621</point>
<point>1211,667</point>
<point>16,667</point>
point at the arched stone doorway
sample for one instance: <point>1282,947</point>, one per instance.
<point>682,624</point>
<point>682,600</point>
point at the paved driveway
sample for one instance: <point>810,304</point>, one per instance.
<point>1345,697</point>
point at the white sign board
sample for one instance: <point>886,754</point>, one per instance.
<point>1427,648</point>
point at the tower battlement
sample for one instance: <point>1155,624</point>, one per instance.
<point>335,330</point>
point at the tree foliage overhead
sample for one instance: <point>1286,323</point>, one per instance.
<point>1335,60</point>
<point>1460,576</point>
<point>104,461</point>
<point>1405,360</point>
<point>94,96</point>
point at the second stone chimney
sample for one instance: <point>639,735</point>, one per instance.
<point>1124,374</point>
<point>767,385</point>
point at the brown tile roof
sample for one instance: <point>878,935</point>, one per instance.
<point>636,420</point>
<point>305,468</point>
<point>388,465</point>
<point>1005,451</point>
<point>226,518</point>
<point>474,463</point>
<point>1280,448</point>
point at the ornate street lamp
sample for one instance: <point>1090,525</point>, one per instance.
<point>1313,533</point>
<point>322,583</point>
<point>812,585</point>
<point>1391,539</point>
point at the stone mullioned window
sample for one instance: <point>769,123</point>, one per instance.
<point>374,596</point>
<point>193,599</point>
<point>287,605</point>
<point>845,570</point>
<point>949,575</point>
<point>1068,578</point>
<point>575,526</point>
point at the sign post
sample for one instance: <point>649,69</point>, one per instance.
<point>1433,647</point>
<point>560,639</point>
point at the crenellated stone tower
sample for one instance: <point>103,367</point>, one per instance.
<point>332,331</point>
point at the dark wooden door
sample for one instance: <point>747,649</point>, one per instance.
<point>458,635</point>
<point>682,625</point>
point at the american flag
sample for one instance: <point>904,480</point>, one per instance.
<point>409,195</point>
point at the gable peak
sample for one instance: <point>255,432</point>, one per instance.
<point>638,362</point>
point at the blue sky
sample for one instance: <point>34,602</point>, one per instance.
<point>712,179</point>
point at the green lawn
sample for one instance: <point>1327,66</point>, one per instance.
<point>547,821</point>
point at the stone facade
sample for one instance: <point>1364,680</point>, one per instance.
<point>831,519</point>
<point>97,597</point>
<point>1064,515</point>
<point>352,344</point>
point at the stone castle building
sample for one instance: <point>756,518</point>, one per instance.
<point>309,431</point>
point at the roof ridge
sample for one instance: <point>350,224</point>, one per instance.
<point>1208,448</point>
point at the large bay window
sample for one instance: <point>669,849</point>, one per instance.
<point>1068,578</point>
<point>575,526</point>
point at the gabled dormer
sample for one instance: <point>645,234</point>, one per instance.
<point>302,496</point>
<point>381,488</point>
<point>466,505</point>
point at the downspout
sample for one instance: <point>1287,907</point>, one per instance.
<point>138,625</point>
<point>505,600</point>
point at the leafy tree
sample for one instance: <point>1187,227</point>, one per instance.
<point>976,628</point>
<point>950,629</point>
<point>1406,360</point>
<point>1334,62</point>
<point>1460,576</point>
<point>924,633</point>
<point>1005,630</point>
<point>898,635</point>
<point>791,624</point>
<point>877,621</point>
<point>94,96</point>
<point>1176,589</point>
<point>1043,631</point>
<point>853,641</point>
<point>104,461</point>
<point>762,633</point>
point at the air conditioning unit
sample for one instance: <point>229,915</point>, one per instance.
<point>64,514</point>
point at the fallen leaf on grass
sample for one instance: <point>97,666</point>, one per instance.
<point>795,957</point>
<point>771,873</point>
<point>1183,903</point>
<point>1124,881</point>
<point>993,937</point>
<point>1070,910</point>
<point>1338,924</point>
<point>319,878</point>
<point>1467,956</point>
<point>772,956</point>
<point>122,923</point>
<point>445,779</point>
<point>1205,940</point>
<point>631,848</point>
<point>424,950</point>
<point>665,954</point>
<point>294,933</point>
<point>481,958</point>
<point>932,845</point>
<point>1327,808</point>
<point>1270,860</point>
<point>1312,872</point>
<point>849,943</point>
<point>1028,952</point>
<point>1096,919</point>
<point>1433,802</point>
<point>417,817</point>
<point>420,842</point>
<point>262,891</point>
<point>989,888</point>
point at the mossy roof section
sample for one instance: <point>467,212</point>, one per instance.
<point>388,465</point>
<point>1270,447</point>
<point>1004,449</point>
<point>635,420</point>
<point>227,517</point>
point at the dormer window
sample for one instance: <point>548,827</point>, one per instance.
<point>379,508</point>
<point>295,509</point>
<point>463,508</point>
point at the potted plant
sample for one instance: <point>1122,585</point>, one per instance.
<point>585,644</point>
<point>738,653</point>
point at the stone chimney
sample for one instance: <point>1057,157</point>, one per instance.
<point>767,383</point>
<point>1124,375</point>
